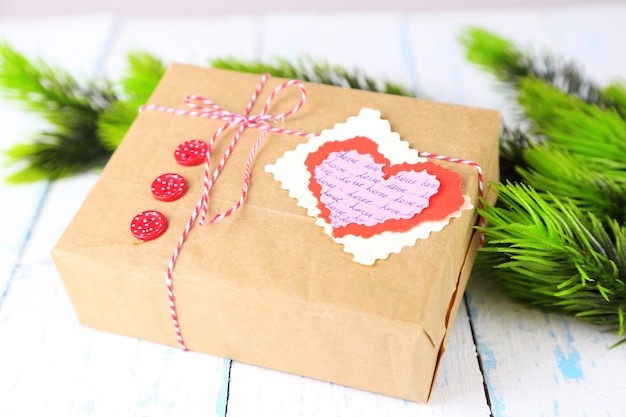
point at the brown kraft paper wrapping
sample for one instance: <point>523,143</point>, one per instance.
<point>267,286</point>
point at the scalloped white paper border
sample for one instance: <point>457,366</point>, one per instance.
<point>291,171</point>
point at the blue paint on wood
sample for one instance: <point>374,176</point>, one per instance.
<point>221,405</point>
<point>569,363</point>
<point>489,362</point>
<point>86,408</point>
<point>567,358</point>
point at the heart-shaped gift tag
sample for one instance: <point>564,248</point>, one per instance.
<point>360,193</point>
<point>368,189</point>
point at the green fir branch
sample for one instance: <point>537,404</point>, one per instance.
<point>543,85</point>
<point>573,124</point>
<point>511,65</point>
<point>556,238</point>
<point>557,256</point>
<point>71,109</point>
<point>49,91</point>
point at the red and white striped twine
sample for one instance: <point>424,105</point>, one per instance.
<point>205,108</point>
<point>481,187</point>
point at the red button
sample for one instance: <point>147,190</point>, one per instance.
<point>191,152</point>
<point>148,225</point>
<point>169,187</point>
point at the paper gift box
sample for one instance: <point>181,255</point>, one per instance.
<point>267,285</point>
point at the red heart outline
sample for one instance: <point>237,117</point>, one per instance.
<point>447,200</point>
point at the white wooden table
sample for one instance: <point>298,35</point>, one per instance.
<point>503,359</point>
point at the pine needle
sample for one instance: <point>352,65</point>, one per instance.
<point>519,72</point>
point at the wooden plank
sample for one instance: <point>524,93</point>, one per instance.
<point>375,44</point>
<point>544,364</point>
